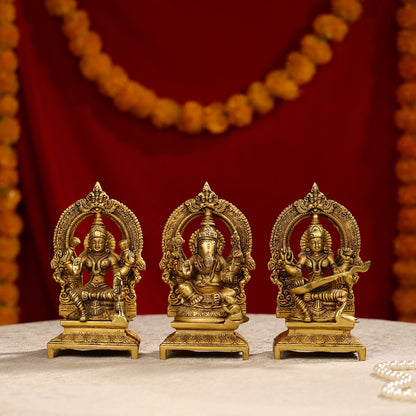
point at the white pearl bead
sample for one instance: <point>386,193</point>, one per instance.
<point>400,383</point>
<point>396,395</point>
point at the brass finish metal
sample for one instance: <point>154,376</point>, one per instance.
<point>207,295</point>
<point>319,309</point>
<point>96,314</point>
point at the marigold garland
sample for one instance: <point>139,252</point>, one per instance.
<point>192,117</point>
<point>404,268</point>
<point>11,223</point>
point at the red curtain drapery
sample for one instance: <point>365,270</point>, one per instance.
<point>339,133</point>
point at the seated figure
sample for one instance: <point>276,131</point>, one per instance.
<point>206,280</point>
<point>96,300</point>
<point>207,297</point>
<point>315,299</point>
<point>316,295</point>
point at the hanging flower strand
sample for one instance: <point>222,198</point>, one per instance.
<point>192,117</point>
<point>11,223</point>
<point>404,268</point>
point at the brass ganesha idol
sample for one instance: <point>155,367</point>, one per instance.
<point>207,296</point>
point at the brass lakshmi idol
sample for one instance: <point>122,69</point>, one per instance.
<point>318,306</point>
<point>207,295</point>
<point>96,314</point>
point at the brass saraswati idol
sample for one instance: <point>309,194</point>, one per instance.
<point>207,295</point>
<point>318,306</point>
<point>96,314</point>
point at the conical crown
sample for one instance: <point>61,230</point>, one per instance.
<point>97,227</point>
<point>315,228</point>
<point>207,228</point>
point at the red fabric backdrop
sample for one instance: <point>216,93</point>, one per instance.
<point>339,133</point>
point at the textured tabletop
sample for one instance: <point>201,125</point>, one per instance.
<point>106,383</point>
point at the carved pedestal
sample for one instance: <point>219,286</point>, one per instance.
<point>205,337</point>
<point>96,335</point>
<point>318,336</point>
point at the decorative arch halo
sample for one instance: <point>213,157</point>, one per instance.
<point>220,208</point>
<point>97,201</point>
<point>315,202</point>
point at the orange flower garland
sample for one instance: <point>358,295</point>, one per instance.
<point>11,223</point>
<point>192,117</point>
<point>404,268</point>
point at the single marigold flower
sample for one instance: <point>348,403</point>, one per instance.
<point>10,199</point>
<point>9,130</point>
<point>406,16</point>
<point>280,86</point>
<point>60,7</point>
<point>9,248</point>
<point>95,66</point>
<point>112,83</point>
<point>406,94</point>
<point>8,60</point>
<point>331,27</point>
<point>299,68</point>
<point>88,43</point>
<point>7,12</point>
<point>9,35</point>
<point>404,300</point>
<point>405,271</point>
<point>240,113</point>
<point>145,103</point>
<point>406,145</point>
<point>166,113</point>
<point>9,294</point>
<point>8,157</point>
<point>9,178</point>
<point>405,119</point>
<point>316,49</point>
<point>406,41</point>
<point>407,195</point>
<point>128,96</point>
<point>407,67</point>
<point>405,246</point>
<point>9,83</point>
<point>76,23</point>
<point>260,98</point>
<point>9,271</point>
<point>406,170</point>
<point>8,106</point>
<point>215,118</point>
<point>348,10</point>
<point>11,224</point>
<point>407,219</point>
<point>9,316</point>
<point>192,118</point>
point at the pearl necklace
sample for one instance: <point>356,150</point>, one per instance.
<point>399,387</point>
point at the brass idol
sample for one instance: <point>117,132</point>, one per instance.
<point>318,307</point>
<point>207,296</point>
<point>96,314</point>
